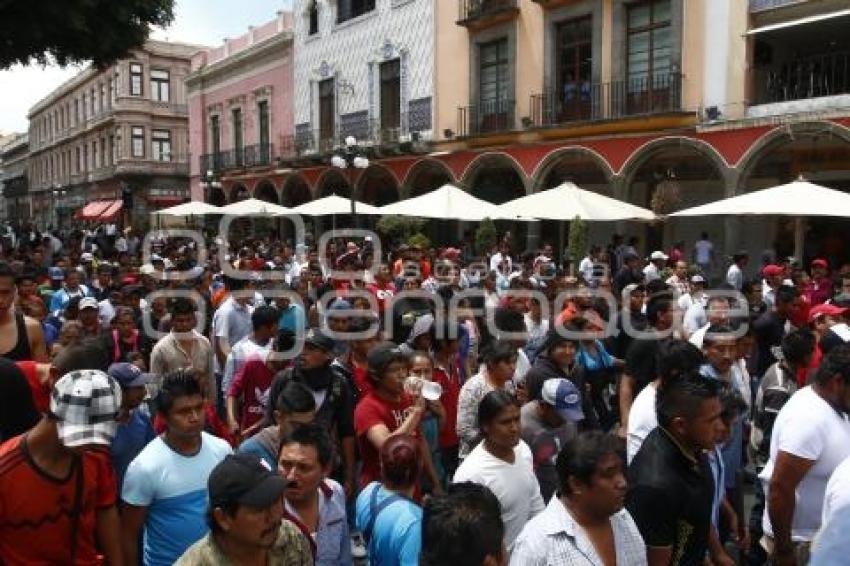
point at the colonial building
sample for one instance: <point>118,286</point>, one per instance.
<point>240,114</point>
<point>14,152</point>
<point>115,135</point>
<point>363,69</point>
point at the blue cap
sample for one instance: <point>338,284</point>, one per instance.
<point>128,375</point>
<point>56,273</point>
<point>563,396</point>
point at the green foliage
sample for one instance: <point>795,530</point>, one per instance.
<point>419,240</point>
<point>485,236</point>
<point>577,245</point>
<point>77,31</point>
<point>400,228</point>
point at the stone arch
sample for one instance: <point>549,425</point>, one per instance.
<point>266,190</point>
<point>700,174</point>
<point>425,176</point>
<point>782,135</point>
<point>239,192</point>
<point>496,175</point>
<point>377,186</point>
<point>819,151</point>
<point>296,191</point>
<point>649,150</point>
<point>332,182</point>
<point>579,164</point>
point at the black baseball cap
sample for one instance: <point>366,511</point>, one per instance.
<point>244,479</point>
<point>383,355</point>
<point>320,340</point>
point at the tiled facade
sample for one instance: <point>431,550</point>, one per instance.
<point>123,127</point>
<point>240,110</point>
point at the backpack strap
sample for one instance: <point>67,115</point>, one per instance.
<point>375,509</point>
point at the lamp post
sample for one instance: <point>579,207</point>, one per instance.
<point>350,158</point>
<point>209,182</point>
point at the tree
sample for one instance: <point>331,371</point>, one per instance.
<point>399,228</point>
<point>486,236</point>
<point>77,31</point>
<point>577,245</point>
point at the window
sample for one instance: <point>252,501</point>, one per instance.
<point>574,69</point>
<point>494,88</point>
<point>135,79</point>
<point>112,93</point>
<point>215,134</point>
<point>327,111</point>
<point>390,96</point>
<point>137,141</point>
<point>85,166</point>
<point>313,18</point>
<point>161,145</point>
<point>113,150</point>
<point>92,99</point>
<point>159,86</point>
<point>103,162</point>
<point>237,134</point>
<point>84,106</point>
<point>94,155</point>
<point>649,44</point>
<point>104,102</point>
<point>263,119</point>
<point>349,9</point>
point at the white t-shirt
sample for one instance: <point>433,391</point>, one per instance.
<point>703,249</point>
<point>807,427</point>
<point>586,269</point>
<point>514,485</point>
<point>651,273</point>
<point>642,420</point>
<point>837,491</point>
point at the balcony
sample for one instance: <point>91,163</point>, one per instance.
<point>260,155</point>
<point>395,137</point>
<point>764,5</point>
<point>816,76</point>
<point>587,102</point>
<point>478,14</point>
<point>490,116</point>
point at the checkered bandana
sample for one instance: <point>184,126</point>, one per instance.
<point>85,404</point>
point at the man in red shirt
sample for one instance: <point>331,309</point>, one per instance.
<point>383,287</point>
<point>252,384</point>
<point>388,411</point>
<point>819,289</point>
<point>57,486</point>
<point>447,374</point>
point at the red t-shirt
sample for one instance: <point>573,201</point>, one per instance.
<point>40,391</point>
<point>371,411</point>
<point>383,293</point>
<point>253,383</point>
<point>35,509</point>
<point>449,398</point>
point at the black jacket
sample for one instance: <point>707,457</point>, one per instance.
<point>544,368</point>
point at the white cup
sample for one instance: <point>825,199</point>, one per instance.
<point>431,390</point>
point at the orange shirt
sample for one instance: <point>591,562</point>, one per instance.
<point>35,509</point>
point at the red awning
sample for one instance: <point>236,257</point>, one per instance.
<point>92,210</point>
<point>111,211</point>
<point>166,200</point>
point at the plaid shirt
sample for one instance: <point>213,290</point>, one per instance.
<point>290,549</point>
<point>553,538</point>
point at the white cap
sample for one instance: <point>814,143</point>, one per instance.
<point>659,255</point>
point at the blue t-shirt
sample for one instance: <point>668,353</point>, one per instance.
<point>130,439</point>
<point>292,319</point>
<point>174,489</point>
<point>397,533</point>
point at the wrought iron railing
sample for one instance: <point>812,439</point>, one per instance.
<point>761,5</point>
<point>586,101</point>
<point>472,10</point>
<point>486,117</point>
<point>814,76</point>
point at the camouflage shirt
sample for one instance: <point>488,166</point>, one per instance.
<point>290,549</point>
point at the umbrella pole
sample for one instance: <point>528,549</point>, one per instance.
<point>561,230</point>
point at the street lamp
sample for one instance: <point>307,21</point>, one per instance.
<point>208,182</point>
<point>349,159</point>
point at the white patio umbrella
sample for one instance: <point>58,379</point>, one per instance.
<point>566,201</point>
<point>192,208</point>
<point>335,205</point>
<point>799,199</point>
<point>447,203</point>
<point>255,207</point>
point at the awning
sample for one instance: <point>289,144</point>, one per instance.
<point>166,200</point>
<point>92,210</point>
<point>111,211</point>
<point>800,21</point>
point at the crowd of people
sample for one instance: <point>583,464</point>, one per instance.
<point>264,403</point>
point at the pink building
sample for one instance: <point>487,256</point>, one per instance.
<point>240,114</point>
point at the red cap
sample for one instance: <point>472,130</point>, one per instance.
<point>820,263</point>
<point>773,270</point>
<point>825,310</point>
